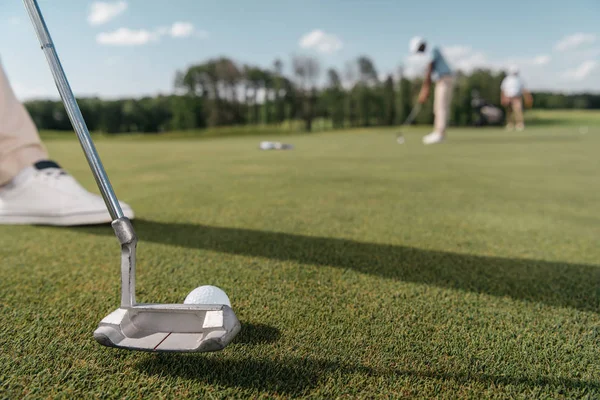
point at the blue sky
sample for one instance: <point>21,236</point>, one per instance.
<point>119,48</point>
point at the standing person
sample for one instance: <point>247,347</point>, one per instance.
<point>437,71</point>
<point>512,92</point>
<point>34,189</point>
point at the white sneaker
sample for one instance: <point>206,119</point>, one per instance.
<point>45,194</point>
<point>520,127</point>
<point>433,137</point>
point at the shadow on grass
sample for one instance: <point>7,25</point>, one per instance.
<point>298,376</point>
<point>555,284</point>
<point>255,334</point>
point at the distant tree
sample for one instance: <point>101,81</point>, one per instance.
<point>269,88</point>
<point>351,106</point>
<point>186,112</point>
<point>255,82</point>
<point>404,99</point>
<point>112,116</point>
<point>229,77</point>
<point>389,101</point>
<point>220,92</point>
<point>307,70</point>
<point>279,87</point>
<point>367,82</point>
<point>333,102</point>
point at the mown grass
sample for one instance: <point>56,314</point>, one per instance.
<point>359,268</point>
<point>534,118</point>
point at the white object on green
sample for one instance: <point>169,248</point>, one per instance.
<point>275,146</point>
<point>207,294</point>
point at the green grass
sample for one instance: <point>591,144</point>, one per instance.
<point>358,268</point>
<point>579,118</point>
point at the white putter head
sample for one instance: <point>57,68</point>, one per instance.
<point>147,327</point>
<point>161,327</point>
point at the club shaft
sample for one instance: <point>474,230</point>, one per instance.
<point>416,109</point>
<point>73,110</point>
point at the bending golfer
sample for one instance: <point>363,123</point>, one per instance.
<point>33,189</point>
<point>439,72</point>
<point>512,93</point>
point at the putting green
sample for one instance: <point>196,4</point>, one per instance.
<point>358,267</point>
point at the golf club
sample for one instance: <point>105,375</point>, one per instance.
<point>146,327</point>
<point>409,120</point>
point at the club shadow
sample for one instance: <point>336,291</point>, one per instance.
<point>297,376</point>
<point>553,283</point>
<point>255,334</point>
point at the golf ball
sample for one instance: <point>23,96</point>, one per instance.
<point>400,140</point>
<point>207,295</point>
<point>583,130</point>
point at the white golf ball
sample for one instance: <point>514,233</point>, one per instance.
<point>400,140</point>
<point>207,295</point>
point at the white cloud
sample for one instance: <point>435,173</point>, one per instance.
<point>321,41</point>
<point>126,37</point>
<point>102,12</point>
<point>471,62</point>
<point>136,37</point>
<point>453,52</point>
<point>574,41</point>
<point>536,61</point>
<point>414,65</point>
<point>182,29</point>
<point>582,71</point>
<point>465,59</point>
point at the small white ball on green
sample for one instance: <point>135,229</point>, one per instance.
<point>207,294</point>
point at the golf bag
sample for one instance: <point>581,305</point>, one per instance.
<point>487,113</point>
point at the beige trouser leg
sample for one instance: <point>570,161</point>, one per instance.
<point>516,107</point>
<point>20,144</point>
<point>441,103</point>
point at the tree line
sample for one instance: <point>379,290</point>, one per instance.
<point>221,92</point>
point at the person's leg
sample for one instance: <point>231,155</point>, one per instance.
<point>448,91</point>
<point>20,144</point>
<point>509,117</point>
<point>517,106</point>
<point>441,109</point>
<point>33,189</point>
<point>438,107</point>
<point>441,104</point>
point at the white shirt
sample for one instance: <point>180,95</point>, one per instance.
<point>512,86</point>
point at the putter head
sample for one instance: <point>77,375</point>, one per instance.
<point>161,327</point>
<point>169,328</point>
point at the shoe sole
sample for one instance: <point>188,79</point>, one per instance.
<point>61,220</point>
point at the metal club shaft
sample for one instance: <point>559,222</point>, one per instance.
<point>112,203</point>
